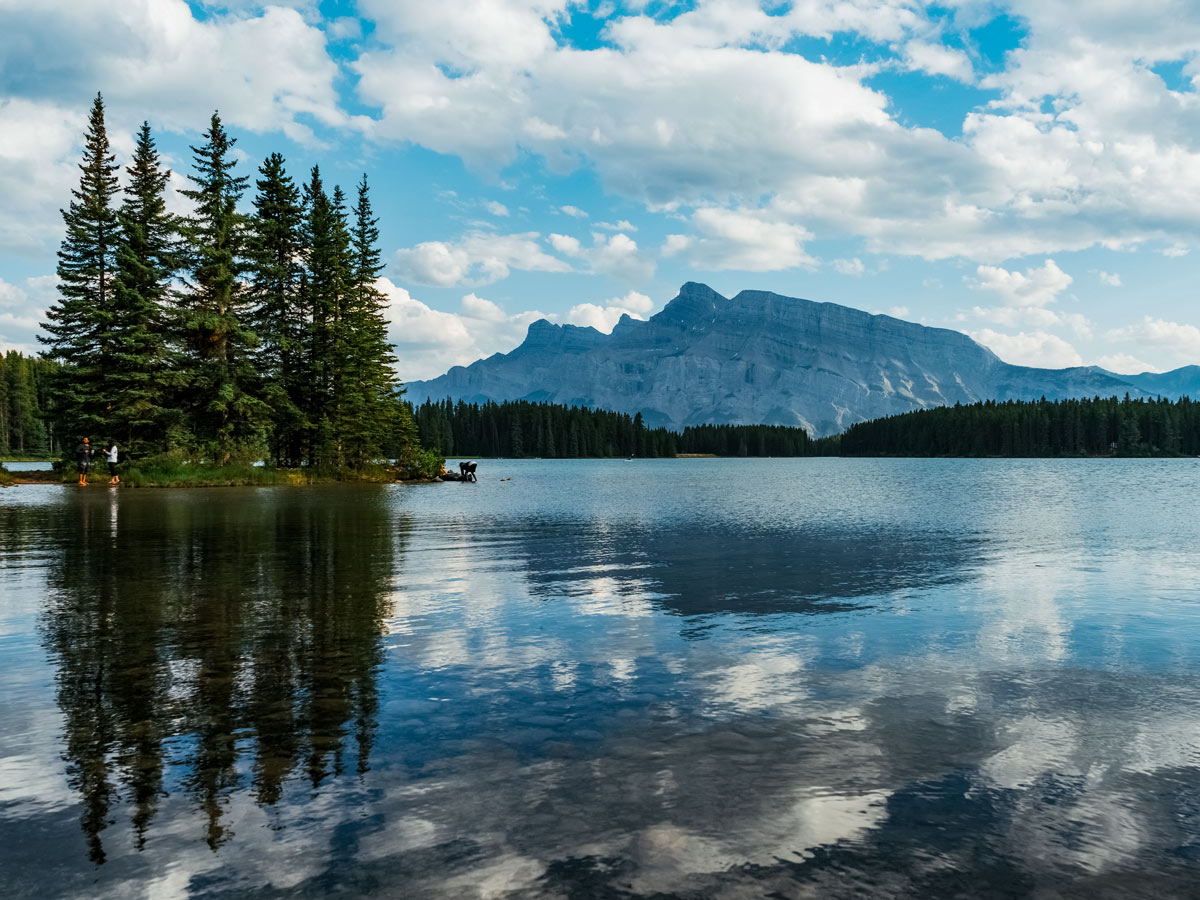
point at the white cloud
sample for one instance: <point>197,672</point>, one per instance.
<point>153,59</point>
<point>1085,146</point>
<point>617,255</point>
<point>566,245</point>
<point>622,225</point>
<point>1126,364</point>
<point>496,208</point>
<point>898,312</point>
<point>741,239</point>
<point>477,258</point>
<point>938,59</point>
<point>1036,348</point>
<point>849,266</point>
<point>1175,250</point>
<point>573,211</point>
<point>22,309</point>
<point>1110,278</point>
<point>1037,287</point>
<point>429,341</point>
<point>475,307</point>
<point>603,316</point>
<point>1173,343</point>
<point>1026,297</point>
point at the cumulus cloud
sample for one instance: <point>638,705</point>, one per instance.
<point>1026,297</point>
<point>1174,343</point>
<point>1126,364</point>
<point>603,316</point>
<point>1085,146</point>
<point>496,208</point>
<point>265,70</point>
<point>22,308</point>
<point>617,255</point>
<point>622,225</point>
<point>849,266</point>
<point>1034,287</point>
<point>429,341</point>
<point>574,212</point>
<point>741,239</point>
<point>938,59</point>
<point>478,258</point>
<point>1110,278</point>
<point>1037,348</point>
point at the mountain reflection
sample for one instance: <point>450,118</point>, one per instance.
<point>212,648</point>
<point>717,570</point>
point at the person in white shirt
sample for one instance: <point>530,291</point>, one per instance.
<point>113,456</point>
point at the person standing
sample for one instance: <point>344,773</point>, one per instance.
<point>113,457</point>
<point>84,454</point>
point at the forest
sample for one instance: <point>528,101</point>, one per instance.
<point>24,396</point>
<point>524,429</point>
<point>1085,427</point>
<point>222,336</point>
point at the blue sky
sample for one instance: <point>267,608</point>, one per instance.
<point>1013,170</point>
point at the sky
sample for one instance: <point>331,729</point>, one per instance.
<point>1027,172</point>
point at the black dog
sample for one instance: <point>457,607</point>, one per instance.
<point>467,471</point>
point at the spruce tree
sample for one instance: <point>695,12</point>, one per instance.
<point>228,419</point>
<point>279,316</point>
<point>326,260</point>
<point>76,326</point>
<point>137,385</point>
<point>372,408</point>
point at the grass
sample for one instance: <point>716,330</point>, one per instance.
<point>168,472</point>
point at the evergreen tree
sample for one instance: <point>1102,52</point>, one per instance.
<point>137,385</point>
<point>371,399</point>
<point>279,317</point>
<point>229,420</point>
<point>326,243</point>
<point>76,326</point>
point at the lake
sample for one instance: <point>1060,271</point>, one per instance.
<point>606,679</point>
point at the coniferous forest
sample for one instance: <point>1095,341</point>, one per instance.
<point>24,396</point>
<point>1087,427</point>
<point>224,335</point>
<point>546,430</point>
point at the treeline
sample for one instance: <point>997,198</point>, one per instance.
<point>1085,427</point>
<point>224,335</point>
<point>24,395</point>
<point>546,430</point>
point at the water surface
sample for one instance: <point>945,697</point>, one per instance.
<point>696,678</point>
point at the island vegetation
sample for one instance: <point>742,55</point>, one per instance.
<point>204,343</point>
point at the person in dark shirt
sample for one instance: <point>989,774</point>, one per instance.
<point>84,453</point>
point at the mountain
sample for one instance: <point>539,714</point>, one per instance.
<point>761,358</point>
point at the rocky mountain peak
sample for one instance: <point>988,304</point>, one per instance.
<point>763,358</point>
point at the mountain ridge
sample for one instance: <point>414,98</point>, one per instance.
<point>764,358</point>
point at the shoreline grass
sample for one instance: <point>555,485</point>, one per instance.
<point>166,471</point>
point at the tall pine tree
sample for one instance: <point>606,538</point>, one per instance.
<point>279,317</point>
<point>138,386</point>
<point>371,406</point>
<point>76,326</point>
<point>326,243</point>
<point>229,421</point>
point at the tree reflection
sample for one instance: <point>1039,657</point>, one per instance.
<point>215,643</point>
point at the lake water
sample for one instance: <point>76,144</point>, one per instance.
<point>812,678</point>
